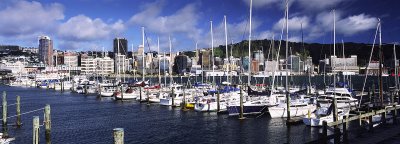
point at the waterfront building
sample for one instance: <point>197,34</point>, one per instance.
<point>9,48</point>
<point>344,64</point>
<point>88,64</point>
<point>120,46</point>
<point>46,50</point>
<point>104,66</point>
<point>205,59</point>
<point>295,65</point>
<point>259,57</point>
<point>181,64</point>
<point>70,59</point>
<point>14,67</point>
<point>121,64</point>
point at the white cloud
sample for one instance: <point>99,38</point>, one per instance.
<point>294,23</point>
<point>356,23</point>
<point>27,18</point>
<point>83,28</point>
<point>315,5</point>
<point>262,3</point>
<point>182,21</point>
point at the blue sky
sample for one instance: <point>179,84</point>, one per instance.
<point>92,24</point>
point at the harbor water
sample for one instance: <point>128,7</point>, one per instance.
<point>87,119</point>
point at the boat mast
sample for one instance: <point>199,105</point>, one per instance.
<point>226,48</point>
<point>159,58</point>
<point>287,70</point>
<point>380,63</point>
<point>345,63</point>
<point>335,118</point>
<point>395,68</point>
<point>212,51</point>
<point>197,59</point>
<point>144,67</point>
<point>249,76</point>
<point>170,61</point>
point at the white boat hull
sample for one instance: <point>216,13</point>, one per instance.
<point>280,112</point>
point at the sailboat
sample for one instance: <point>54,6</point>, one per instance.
<point>286,108</point>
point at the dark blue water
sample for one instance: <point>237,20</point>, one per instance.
<point>88,119</point>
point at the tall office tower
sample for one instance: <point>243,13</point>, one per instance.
<point>46,50</point>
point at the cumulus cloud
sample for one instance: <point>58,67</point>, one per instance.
<point>183,20</point>
<point>262,3</point>
<point>23,17</point>
<point>295,23</point>
<point>83,28</point>
<point>356,23</point>
<point>316,5</point>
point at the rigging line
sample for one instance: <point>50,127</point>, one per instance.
<point>147,40</point>
<point>25,113</point>
<point>277,55</point>
<point>366,68</point>
<point>10,104</point>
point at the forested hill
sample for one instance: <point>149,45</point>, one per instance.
<point>315,50</point>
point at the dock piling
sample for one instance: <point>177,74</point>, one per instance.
<point>140,94</point>
<point>36,130</point>
<point>371,125</point>
<point>148,97</point>
<point>241,104</point>
<point>218,106</point>
<point>47,123</point>
<point>173,97</point>
<point>345,134</point>
<point>5,129</point>
<point>118,136</point>
<point>324,132</point>
<point>337,135</point>
<point>19,111</point>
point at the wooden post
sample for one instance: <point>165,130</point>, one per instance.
<point>18,112</point>
<point>85,89</point>
<point>324,132</point>
<point>173,97</point>
<point>118,136</point>
<point>345,135</point>
<point>140,94</point>
<point>36,130</point>
<point>337,135</point>
<point>241,104</point>
<point>148,97</point>
<point>287,105</point>
<point>47,123</point>
<point>5,129</point>
<point>394,115</point>
<point>184,100</point>
<point>218,106</point>
<point>383,118</point>
<point>99,91</point>
<point>335,112</point>
<point>371,124</point>
<point>122,93</point>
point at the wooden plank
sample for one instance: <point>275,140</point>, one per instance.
<point>356,117</point>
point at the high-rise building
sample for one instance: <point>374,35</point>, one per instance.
<point>46,50</point>
<point>120,46</point>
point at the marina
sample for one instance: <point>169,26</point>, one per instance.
<point>149,122</point>
<point>269,86</point>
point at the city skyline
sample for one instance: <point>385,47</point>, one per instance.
<point>74,26</point>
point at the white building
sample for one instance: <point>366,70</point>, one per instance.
<point>71,60</point>
<point>104,65</point>
<point>15,67</point>
<point>121,64</point>
<point>88,64</point>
